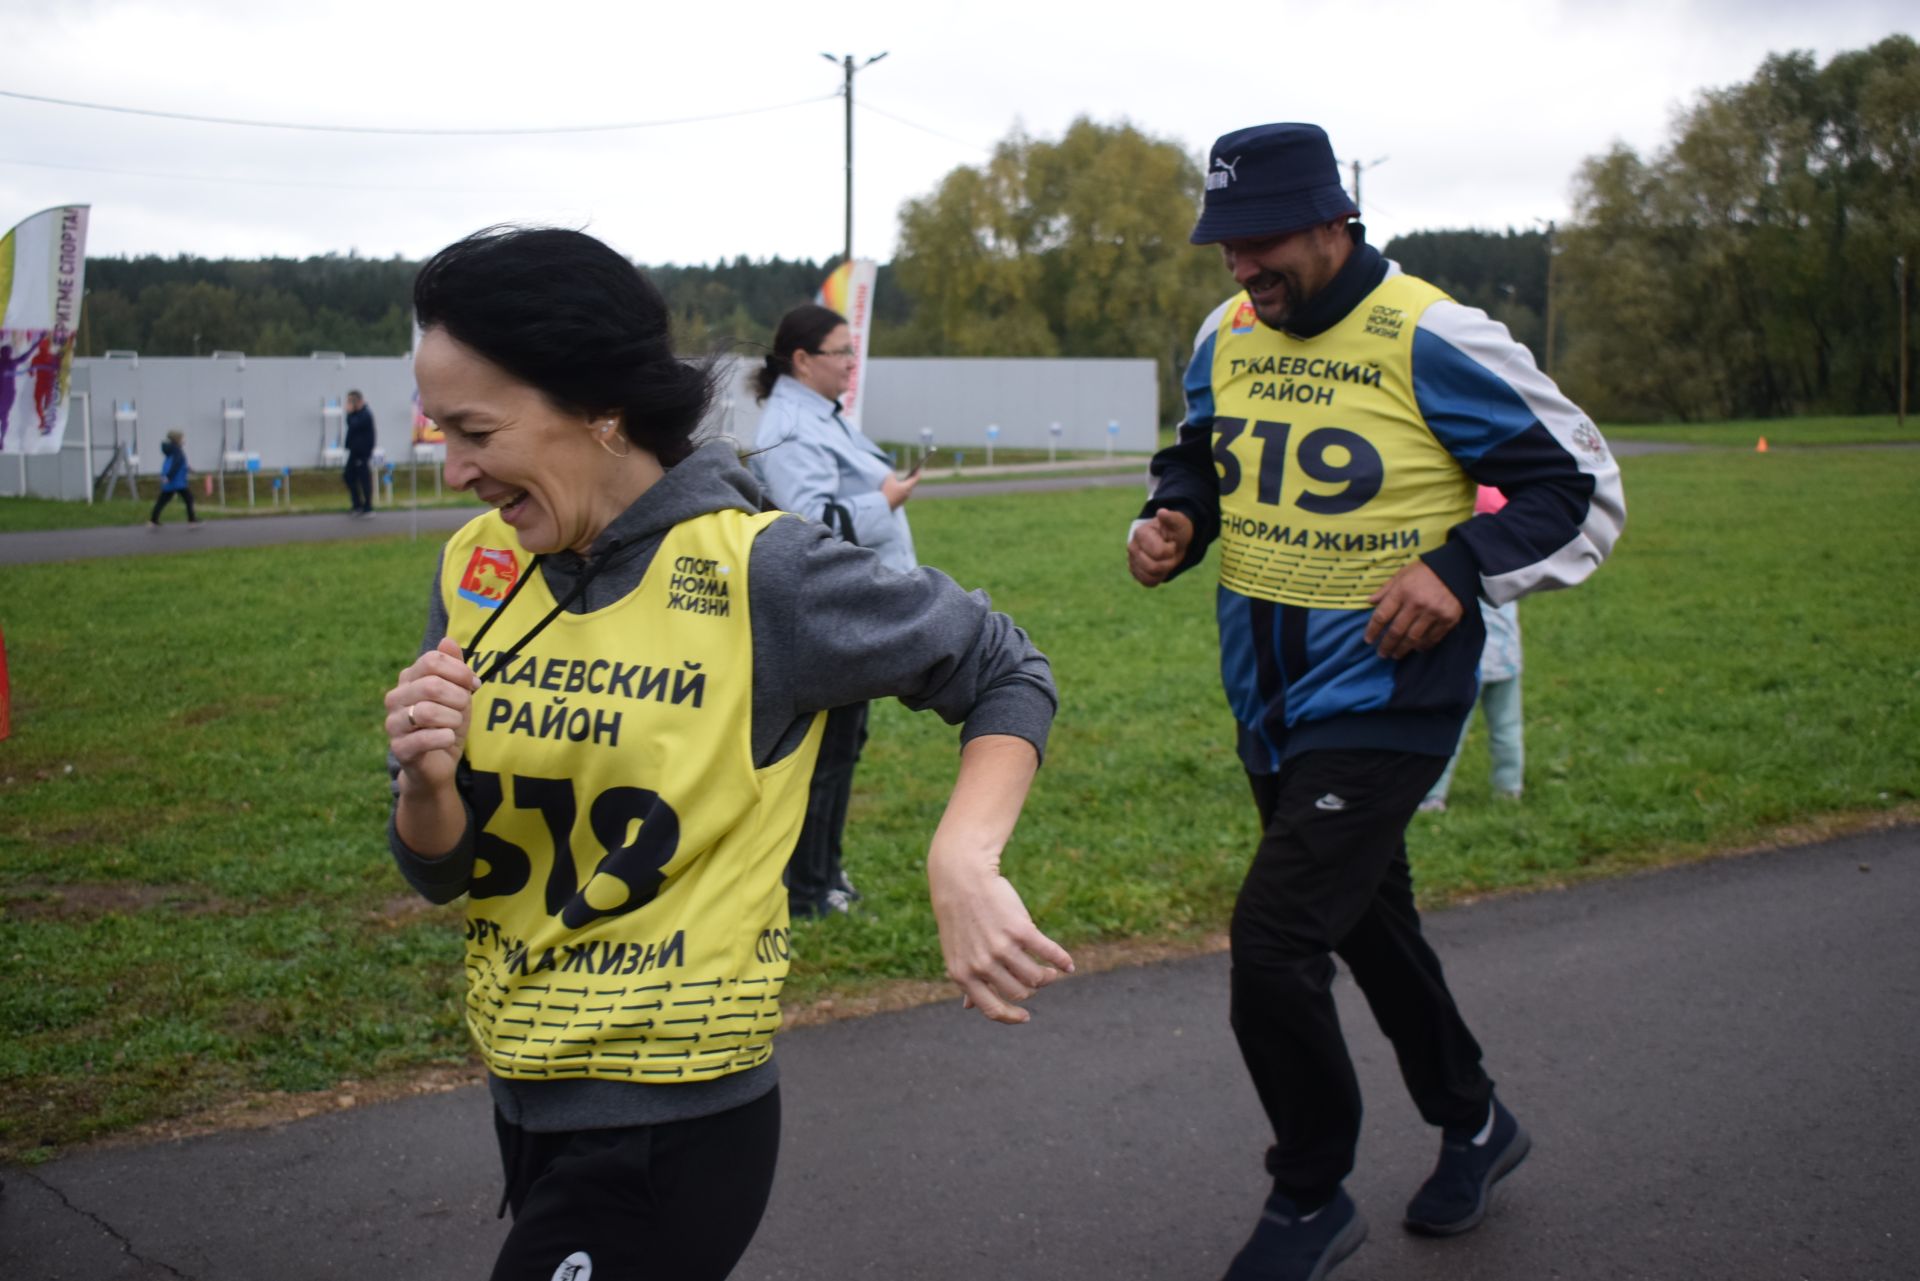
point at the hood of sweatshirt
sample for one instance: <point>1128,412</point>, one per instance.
<point>710,479</point>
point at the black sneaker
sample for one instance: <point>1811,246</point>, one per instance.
<point>1454,1197</point>
<point>832,903</point>
<point>1287,1245</point>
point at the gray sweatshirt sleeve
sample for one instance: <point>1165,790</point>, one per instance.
<point>439,880</point>
<point>832,626</point>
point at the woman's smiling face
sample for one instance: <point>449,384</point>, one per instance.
<point>543,468</point>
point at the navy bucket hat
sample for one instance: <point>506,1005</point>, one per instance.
<point>1268,180</point>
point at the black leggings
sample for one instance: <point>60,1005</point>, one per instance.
<point>678,1201</point>
<point>815,866</point>
<point>186,496</point>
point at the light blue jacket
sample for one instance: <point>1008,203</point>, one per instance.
<point>814,464</point>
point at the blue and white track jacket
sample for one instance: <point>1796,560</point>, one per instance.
<point>1325,462</point>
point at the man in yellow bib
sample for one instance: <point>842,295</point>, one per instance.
<point>1339,416</point>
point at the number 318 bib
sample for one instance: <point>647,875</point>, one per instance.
<point>626,919</point>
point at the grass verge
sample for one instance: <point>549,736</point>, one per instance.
<point>196,901</point>
<point>1883,429</point>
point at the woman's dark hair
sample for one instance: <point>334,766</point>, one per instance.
<point>802,329</point>
<point>562,312</point>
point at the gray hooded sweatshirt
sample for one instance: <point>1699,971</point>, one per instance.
<point>831,626</point>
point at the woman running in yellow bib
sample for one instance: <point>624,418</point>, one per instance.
<point>606,741</point>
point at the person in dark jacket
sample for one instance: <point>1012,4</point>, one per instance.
<point>359,474</point>
<point>1339,414</point>
<point>173,478</point>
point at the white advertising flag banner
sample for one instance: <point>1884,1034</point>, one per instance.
<point>43,264</point>
<point>849,291</point>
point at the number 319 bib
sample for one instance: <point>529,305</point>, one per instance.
<point>1330,480</point>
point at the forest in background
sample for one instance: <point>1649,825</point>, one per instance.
<point>1755,266</point>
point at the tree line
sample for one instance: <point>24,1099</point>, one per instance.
<point>1750,268</point>
<point>189,306</point>
<point>1759,264</point>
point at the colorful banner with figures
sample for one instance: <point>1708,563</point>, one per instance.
<point>425,430</point>
<point>849,291</point>
<point>42,268</point>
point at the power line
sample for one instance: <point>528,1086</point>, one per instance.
<point>898,119</point>
<point>267,182</point>
<point>318,128</point>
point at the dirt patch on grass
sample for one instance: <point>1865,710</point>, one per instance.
<point>278,1107</point>
<point>84,834</point>
<point>20,773</point>
<point>906,994</point>
<point>400,910</point>
<point>207,713</point>
<point>86,901</point>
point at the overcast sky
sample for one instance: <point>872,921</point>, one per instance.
<point>1481,109</point>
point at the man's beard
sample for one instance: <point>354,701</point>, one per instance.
<point>1276,316</point>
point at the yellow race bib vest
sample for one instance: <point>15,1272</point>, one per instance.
<point>626,919</point>
<point>1330,480</point>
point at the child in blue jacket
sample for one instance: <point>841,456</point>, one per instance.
<point>173,478</point>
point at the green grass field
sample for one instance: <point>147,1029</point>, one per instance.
<point>196,900</point>
<point>1883,429</point>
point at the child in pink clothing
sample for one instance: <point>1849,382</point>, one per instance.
<point>1499,692</point>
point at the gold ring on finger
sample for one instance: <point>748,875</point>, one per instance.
<point>411,723</point>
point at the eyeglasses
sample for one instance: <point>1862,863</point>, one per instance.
<point>838,353</point>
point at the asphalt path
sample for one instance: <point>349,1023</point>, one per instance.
<point>1716,1062</point>
<point>175,536</point>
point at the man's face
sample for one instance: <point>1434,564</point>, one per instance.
<point>1282,274</point>
<point>354,402</point>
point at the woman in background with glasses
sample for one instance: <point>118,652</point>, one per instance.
<point>814,463</point>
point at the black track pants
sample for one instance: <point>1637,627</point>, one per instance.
<point>1331,879</point>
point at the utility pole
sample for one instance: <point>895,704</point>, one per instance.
<point>1547,361</point>
<point>846,91</point>
<point>1900,279</point>
<point>1356,166</point>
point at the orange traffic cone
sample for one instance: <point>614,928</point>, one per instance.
<point>1761,448</point>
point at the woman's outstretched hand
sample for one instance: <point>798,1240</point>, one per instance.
<point>994,951</point>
